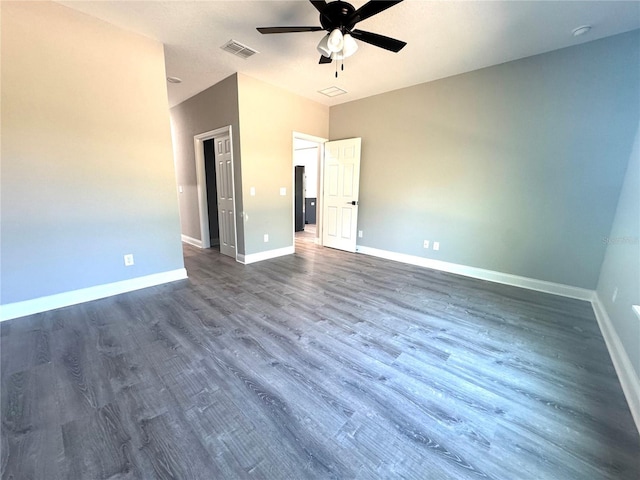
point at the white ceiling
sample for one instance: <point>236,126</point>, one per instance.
<point>444,38</point>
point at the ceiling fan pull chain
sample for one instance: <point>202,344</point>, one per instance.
<point>336,68</point>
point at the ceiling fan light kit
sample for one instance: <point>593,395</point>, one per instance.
<point>349,46</point>
<point>339,18</point>
<point>323,46</point>
<point>335,40</point>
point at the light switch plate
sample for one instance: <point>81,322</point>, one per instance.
<point>283,191</point>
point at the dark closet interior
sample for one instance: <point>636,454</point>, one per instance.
<point>212,191</point>
<point>299,198</point>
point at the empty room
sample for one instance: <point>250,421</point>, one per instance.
<point>320,240</point>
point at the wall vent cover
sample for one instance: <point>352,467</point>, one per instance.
<point>238,49</point>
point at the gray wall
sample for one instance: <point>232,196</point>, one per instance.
<point>213,108</point>
<point>268,118</point>
<point>87,172</point>
<point>514,168</point>
<point>621,267</point>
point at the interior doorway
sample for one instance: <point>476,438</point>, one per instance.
<point>216,190</point>
<point>212,192</point>
<point>307,157</point>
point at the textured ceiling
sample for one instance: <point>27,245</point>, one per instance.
<point>444,38</point>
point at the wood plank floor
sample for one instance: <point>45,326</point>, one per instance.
<point>318,365</point>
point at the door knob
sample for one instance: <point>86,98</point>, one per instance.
<point>353,202</point>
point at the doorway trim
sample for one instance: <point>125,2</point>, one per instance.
<point>201,180</point>
<point>320,141</point>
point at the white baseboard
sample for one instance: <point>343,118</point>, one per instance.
<point>258,257</point>
<point>621,362</point>
<point>482,274</point>
<point>51,302</point>
<point>191,241</point>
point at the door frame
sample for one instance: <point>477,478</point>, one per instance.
<point>201,180</point>
<point>320,141</point>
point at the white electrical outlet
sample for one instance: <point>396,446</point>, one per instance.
<point>426,244</point>
<point>266,237</point>
<point>283,191</point>
<point>436,245</point>
<point>359,232</point>
<point>128,259</point>
<point>615,295</point>
<point>252,191</point>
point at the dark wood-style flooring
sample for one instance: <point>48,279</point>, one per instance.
<point>318,365</point>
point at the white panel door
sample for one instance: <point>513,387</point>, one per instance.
<point>225,187</point>
<point>340,196</point>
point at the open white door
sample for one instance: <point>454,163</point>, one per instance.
<point>340,195</point>
<point>225,187</point>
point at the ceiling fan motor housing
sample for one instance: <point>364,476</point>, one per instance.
<point>338,15</point>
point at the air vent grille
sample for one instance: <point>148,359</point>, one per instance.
<point>238,49</point>
<point>332,91</point>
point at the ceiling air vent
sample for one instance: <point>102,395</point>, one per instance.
<point>238,49</point>
<point>332,91</point>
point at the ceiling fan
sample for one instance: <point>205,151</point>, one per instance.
<point>339,19</point>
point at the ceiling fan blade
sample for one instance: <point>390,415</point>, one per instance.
<point>264,30</point>
<point>324,59</point>
<point>381,41</point>
<point>319,4</point>
<point>370,9</point>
